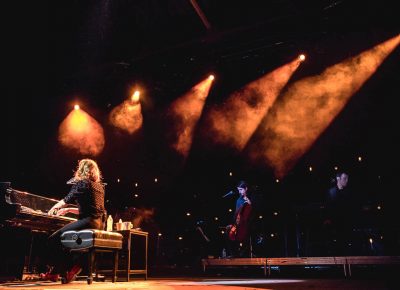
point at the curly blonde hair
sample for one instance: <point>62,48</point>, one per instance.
<point>88,169</point>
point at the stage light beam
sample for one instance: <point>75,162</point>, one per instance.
<point>128,115</point>
<point>309,105</point>
<point>184,114</point>
<point>81,132</point>
<point>234,122</point>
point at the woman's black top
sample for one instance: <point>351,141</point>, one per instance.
<point>89,196</point>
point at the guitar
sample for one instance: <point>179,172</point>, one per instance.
<point>240,229</point>
<point>232,230</point>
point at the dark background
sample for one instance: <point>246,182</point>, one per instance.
<point>59,52</point>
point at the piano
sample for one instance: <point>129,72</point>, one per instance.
<point>27,210</point>
<point>24,228</point>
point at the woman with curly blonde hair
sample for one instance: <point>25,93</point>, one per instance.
<point>88,169</point>
<point>87,192</point>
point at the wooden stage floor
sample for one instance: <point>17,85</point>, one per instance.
<point>369,273</point>
<point>214,284</point>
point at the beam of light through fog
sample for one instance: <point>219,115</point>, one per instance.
<point>234,122</point>
<point>184,114</point>
<point>308,107</point>
<point>80,132</point>
<point>127,116</point>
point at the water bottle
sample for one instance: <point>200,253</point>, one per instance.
<point>223,255</point>
<point>110,223</point>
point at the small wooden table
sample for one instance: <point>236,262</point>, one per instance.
<point>133,254</point>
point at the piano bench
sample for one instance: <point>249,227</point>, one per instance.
<point>93,241</point>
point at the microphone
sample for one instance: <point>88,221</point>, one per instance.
<point>229,193</point>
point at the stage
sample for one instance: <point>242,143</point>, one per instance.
<point>213,283</point>
<point>369,273</point>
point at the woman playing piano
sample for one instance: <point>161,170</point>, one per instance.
<point>87,191</point>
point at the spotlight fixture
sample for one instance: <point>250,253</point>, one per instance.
<point>135,97</point>
<point>302,57</point>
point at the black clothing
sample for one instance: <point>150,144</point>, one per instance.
<point>341,206</point>
<point>341,211</point>
<point>89,197</point>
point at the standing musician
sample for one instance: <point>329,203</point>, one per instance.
<point>239,231</point>
<point>341,211</point>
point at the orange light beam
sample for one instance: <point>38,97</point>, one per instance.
<point>234,122</point>
<point>81,132</point>
<point>184,114</point>
<point>310,105</point>
<point>128,115</point>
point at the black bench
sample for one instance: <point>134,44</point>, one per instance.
<point>93,241</point>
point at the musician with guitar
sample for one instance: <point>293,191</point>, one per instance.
<point>239,231</point>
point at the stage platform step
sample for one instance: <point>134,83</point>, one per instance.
<point>266,263</point>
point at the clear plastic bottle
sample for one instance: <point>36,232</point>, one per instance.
<point>110,223</point>
<point>223,255</point>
